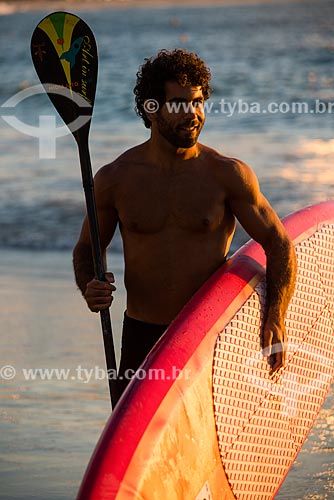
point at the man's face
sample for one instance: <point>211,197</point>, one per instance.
<point>181,118</point>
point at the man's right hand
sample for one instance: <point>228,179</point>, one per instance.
<point>98,294</point>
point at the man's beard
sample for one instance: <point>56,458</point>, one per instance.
<point>175,136</point>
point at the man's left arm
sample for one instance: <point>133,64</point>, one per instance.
<point>262,223</point>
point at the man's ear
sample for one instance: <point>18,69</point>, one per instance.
<point>151,106</point>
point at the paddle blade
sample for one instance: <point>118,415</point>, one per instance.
<point>64,53</point>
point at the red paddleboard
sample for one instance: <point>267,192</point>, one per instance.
<point>204,420</point>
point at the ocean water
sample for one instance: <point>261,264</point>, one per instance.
<point>260,56</point>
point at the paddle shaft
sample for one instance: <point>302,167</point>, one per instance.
<point>88,186</point>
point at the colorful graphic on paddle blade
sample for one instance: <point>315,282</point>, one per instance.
<point>64,53</point>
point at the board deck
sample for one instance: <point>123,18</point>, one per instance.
<point>208,422</point>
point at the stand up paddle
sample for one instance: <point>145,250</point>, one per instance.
<point>64,54</point>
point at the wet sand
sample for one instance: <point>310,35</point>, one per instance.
<point>49,426</point>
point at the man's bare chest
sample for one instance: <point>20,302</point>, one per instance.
<point>148,204</point>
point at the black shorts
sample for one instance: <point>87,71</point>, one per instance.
<point>138,338</point>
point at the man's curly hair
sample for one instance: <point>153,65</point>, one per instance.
<point>178,65</point>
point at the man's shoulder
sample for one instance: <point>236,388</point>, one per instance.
<point>121,164</point>
<point>225,164</point>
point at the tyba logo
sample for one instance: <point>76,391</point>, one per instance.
<point>47,131</point>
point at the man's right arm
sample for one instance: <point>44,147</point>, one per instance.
<point>97,294</point>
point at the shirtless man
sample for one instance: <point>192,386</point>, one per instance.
<point>175,201</point>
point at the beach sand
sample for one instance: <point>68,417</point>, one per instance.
<point>49,428</point>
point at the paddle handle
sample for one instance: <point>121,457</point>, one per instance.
<point>88,185</point>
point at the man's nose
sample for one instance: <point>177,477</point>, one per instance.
<point>190,110</point>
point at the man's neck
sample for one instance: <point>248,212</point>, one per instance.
<point>164,153</point>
